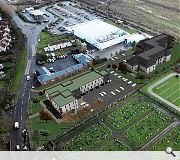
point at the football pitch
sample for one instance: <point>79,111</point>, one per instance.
<point>170,90</point>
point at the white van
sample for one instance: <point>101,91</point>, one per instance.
<point>16,125</point>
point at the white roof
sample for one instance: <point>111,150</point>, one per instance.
<point>98,33</point>
<point>37,12</point>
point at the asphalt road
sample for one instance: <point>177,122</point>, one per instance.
<point>19,113</point>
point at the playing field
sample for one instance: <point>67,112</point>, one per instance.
<point>170,90</point>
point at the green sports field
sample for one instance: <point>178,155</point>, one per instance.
<point>170,90</point>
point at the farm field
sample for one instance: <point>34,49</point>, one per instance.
<point>148,127</point>
<point>130,111</point>
<point>169,90</point>
<point>115,145</point>
<point>89,138</point>
<point>172,139</point>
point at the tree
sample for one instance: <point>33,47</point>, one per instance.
<point>36,101</point>
<point>133,44</point>
<point>122,66</point>
<point>108,66</point>
<point>114,66</point>
<point>141,76</point>
<point>44,115</point>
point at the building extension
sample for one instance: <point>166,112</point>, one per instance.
<point>66,96</point>
<point>154,52</point>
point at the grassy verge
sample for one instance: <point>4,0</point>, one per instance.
<point>51,126</point>
<point>19,71</point>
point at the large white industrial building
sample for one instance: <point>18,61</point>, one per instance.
<point>98,33</point>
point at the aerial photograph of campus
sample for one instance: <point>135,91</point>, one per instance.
<point>90,75</point>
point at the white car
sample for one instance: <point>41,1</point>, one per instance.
<point>125,80</point>
<point>116,57</point>
<point>101,94</point>
<point>134,85</point>
<point>124,61</point>
<point>119,77</point>
<point>33,87</point>
<point>117,90</point>
<point>112,59</point>
<point>113,93</point>
<point>115,74</point>
<point>123,54</point>
<point>17,147</point>
<point>112,72</point>
<point>122,88</point>
<point>16,125</point>
<point>109,80</point>
<point>129,82</point>
<point>104,93</point>
<point>28,78</point>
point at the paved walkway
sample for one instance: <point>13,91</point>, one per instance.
<point>159,97</point>
<point>34,115</point>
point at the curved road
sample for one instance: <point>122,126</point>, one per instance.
<point>159,97</point>
<point>19,113</point>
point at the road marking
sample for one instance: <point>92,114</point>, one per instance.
<point>22,102</point>
<point>21,109</point>
<point>21,117</point>
<point>33,50</point>
<point>27,67</point>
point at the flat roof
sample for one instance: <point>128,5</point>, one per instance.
<point>98,33</point>
<point>62,92</point>
<point>76,83</point>
<point>61,101</point>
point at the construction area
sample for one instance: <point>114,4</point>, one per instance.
<point>158,16</point>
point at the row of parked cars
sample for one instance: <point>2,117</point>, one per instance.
<point>53,59</point>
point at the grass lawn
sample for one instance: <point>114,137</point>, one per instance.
<point>54,128</point>
<point>128,113</point>
<point>88,139</point>
<point>34,108</point>
<point>115,145</point>
<point>19,71</point>
<point>129,30</point>
<point>172,139</point>
<point>169,90</point>
<point>2,84</point>
<point>148,127</point>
